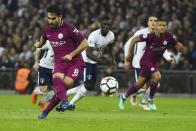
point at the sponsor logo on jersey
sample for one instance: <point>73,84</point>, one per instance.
<point>76,31</point>
<point>57,43</point>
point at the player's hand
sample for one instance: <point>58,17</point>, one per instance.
<point>127,65</point>
<point>109,61</point>
<point>128,58</point>
<point>36,66</point>
<point>172,61</point>
<point>37,44</point>
<point>67,57</point>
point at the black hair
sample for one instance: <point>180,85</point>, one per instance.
<point>55,9</point>
<point>163,20</point>
<point>105,20</point>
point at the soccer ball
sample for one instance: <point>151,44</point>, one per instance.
<point>109,85</point>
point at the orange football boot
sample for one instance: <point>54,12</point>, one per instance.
<point>42,105</point>
<point>34,98</point>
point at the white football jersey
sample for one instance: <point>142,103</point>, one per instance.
<point>139,49</point>
<point>47,60</point>
<point>98,41</point>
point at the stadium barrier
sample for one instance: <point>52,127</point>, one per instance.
<point>172,81</point>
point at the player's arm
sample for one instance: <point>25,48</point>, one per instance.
<point>96,56</point>
<point>111,53</point>
<point>168,57</point>
<point>37,56</point>
<point>131,46</point>
<point>83,45</point>
<point>41,43</point>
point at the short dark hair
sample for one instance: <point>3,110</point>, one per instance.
<point>55,9</point>
<point>105,20</point>
<point>162,20</point>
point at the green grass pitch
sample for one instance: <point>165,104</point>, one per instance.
<point>95,113</point>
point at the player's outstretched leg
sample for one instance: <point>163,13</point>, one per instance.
<point>131,90</point>
<point>54,101</point>
<point>153,88</point>
<point>133,100</point>
<point>144,101</point>
<point>47,98</point>
<point>35,94</point>
<point>121,103</point>
<point>64,106</point>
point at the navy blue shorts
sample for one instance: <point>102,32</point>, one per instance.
<point>44,76</point>
<point>137,73</point>
<point>90,73</point>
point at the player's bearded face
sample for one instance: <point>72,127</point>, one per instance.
<point>53,20</point>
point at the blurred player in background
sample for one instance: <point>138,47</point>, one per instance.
<point>67,43</point>
<point>44,66</point>
<point>156,44</point>
<point>139,50</point>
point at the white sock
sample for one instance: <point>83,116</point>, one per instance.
<point>81,92</point>
<point>48,97</point>
<point>73,90</point>
<point>37,91</point>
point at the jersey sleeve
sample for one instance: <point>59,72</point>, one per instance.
<point>173,40</point>
<point>144,37</point>
<point>44,34</point>
<point>112,38</point>
<point>76,35</point>
<point>167,55</point>
<point>46,46</point>
<point>127,44</point>
<point>92,39</point>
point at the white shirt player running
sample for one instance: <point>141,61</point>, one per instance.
<point>47,60</point>
<point>139,49</point>
<point>98,41</point>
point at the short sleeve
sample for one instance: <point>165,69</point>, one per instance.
<point>46,46</point>
<point>144,37</point>
<point>173,40</point>
<point>76,35</point>
<point>92,39</point>
<point>44,34</point>
<point>112,38</point>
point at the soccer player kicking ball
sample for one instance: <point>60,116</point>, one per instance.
<point>67,43</point>
<point>98,41</point>
<point>156,43</point>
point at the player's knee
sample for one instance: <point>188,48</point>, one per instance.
<point>156,77</point>
<point>140,83</point>
<point>43,89</point>
<point>68,81</point>
<point>89,85</point>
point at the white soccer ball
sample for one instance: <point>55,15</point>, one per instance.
<point>109,85</point>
